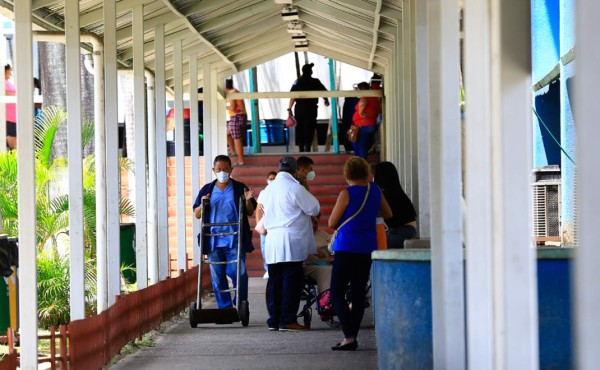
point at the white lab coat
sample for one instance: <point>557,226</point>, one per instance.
<point>287,207</point>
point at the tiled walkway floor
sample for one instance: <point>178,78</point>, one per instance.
<point>234,347</point>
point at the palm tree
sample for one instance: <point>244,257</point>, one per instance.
<point>53,216</point>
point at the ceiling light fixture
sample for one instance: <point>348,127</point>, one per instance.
<point>301,46</point>
<point>295,27</point>
<point>289,13</point>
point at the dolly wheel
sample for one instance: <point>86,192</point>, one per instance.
<point>307,317</point>
<point>193,322</point>
<point>244,313</point>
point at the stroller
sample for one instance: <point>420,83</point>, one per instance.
<point>310,296</point>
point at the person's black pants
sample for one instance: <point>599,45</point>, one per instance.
<point>283,292</point>
<point>353,269</point>
<point>306,120</point>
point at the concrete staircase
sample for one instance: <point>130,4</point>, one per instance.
<point>326,186</point>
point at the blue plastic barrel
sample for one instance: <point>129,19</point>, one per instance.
<point>402,307</point>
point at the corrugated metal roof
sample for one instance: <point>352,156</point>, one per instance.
<point>243,33</point>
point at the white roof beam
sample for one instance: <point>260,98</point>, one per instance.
<point>95,16</point>
<point>151,23</point>
<point>256,42</point>
<point>323,23</point>
<point>285,49</point>
<point>236,16</point>
<point>345,58</point>
<point>204,6</point>
<point>258,27</point>
<point>193,29</point>
<point>149,46</point>
<point>330,14</point>
<point>376,22</point>
<point>265,48</point>
<point>37,4</point>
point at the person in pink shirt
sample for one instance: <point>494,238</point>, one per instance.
<point>11,110</point>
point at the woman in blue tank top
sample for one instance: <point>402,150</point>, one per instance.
<point>355,241</point>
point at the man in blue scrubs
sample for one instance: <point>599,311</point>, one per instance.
<point>223,195</point>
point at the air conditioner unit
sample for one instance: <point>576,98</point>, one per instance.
<point>289,13</point>
<point>546,204</point>
<point>295,27</point>
<point>283,1</point>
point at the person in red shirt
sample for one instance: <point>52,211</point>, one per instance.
<point>365,117</point>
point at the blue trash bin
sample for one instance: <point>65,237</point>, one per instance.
<point>402,307</point>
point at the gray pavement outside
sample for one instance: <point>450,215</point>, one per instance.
<point>211,346</point>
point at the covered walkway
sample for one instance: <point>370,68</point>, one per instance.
<point>234,347</point>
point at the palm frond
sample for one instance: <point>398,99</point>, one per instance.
<point>46,125</point>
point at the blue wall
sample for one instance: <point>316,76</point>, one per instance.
<point>545,33</point>
<point>547,105</point>
<point>553,36</point>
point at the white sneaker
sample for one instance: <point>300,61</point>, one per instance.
<point>266,275</point>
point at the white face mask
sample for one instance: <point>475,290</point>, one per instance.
<point>222,177</point>
<point>311,175</point>
<point>269,182</point>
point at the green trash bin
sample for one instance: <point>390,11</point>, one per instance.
<point>127,252</point>
<point>4,306</point>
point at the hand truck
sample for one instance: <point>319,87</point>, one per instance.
<point>229,315</point>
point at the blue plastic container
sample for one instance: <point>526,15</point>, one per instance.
<point>402,304</point>
<point>403,319</point>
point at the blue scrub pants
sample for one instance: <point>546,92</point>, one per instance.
<point>219,273</point>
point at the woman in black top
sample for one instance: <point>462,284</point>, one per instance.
<point>403,224</point>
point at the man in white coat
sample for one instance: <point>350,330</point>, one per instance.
<point>287,207</point>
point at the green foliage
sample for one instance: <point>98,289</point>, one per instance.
<point>53,215</point>
<point>54,291</point>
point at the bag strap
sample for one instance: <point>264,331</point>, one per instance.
<point>360,209</point>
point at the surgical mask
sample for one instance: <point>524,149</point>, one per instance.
<point>269,182</point>
<point>311,175</point>
<point>222,177</point>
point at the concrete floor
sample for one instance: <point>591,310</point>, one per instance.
<point>232,346</point>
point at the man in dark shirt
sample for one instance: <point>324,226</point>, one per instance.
<point>306,109</point>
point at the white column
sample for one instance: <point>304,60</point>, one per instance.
<point>209,78</point>
<point>28,302</point>
<point>161,154</point>
<point>194,150</point>
<point>112,153</point>
<point>141,190</point>
<point>515,308</point>
<point>414,162</point>
<point>398,144</point>
<point>152,217</point>
<point>407,96</point>
<point>182,210</point>
<point>221,117</point>
<point>587,297</point>
<point>478,186</point>
<point>75,153</point>
<point>422,119</point>
<point>446,234</point>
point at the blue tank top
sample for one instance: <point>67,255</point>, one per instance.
<point>359,235</point>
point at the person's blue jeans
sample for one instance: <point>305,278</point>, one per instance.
<point>219,273</point>
<point>283,293</point>
<point>262,250</point>
<point>397,235</point>
<point>365,140</point>
<point>353,269</point>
